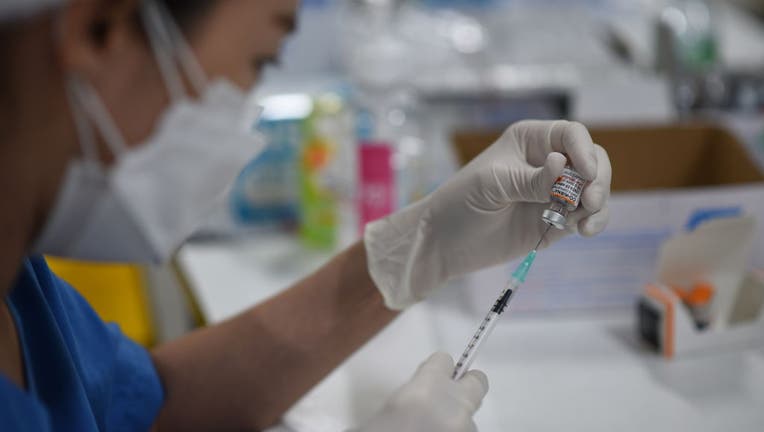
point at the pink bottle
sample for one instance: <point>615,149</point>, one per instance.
<point>377,181</point>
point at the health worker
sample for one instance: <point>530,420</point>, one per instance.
<point>121,124</point>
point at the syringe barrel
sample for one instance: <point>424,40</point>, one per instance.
<point>485,329</point>
<point>482,333</point>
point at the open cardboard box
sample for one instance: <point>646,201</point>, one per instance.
<point>665,179</point>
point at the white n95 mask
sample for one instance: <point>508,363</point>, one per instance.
<point>158,193</point>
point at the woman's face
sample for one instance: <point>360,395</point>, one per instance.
<point>238,37</point>
<point>231,38</point>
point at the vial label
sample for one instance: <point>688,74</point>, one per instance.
<point>568,187</point>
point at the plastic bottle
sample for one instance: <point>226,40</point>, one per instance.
<point>264,194</point>
<point>390,151</point>
<point>323,165</point>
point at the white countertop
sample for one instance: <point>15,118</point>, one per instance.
<point>547,372</point>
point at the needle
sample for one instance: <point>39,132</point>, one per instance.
<point>548,226</point>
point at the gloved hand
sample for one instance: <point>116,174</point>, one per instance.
<point>489,212</point>
<point>432,401</point>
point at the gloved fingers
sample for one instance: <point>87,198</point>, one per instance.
<point>439,363</point>
<point>474,387</point>
<point>539,138</point>
<point>528,184</point>
<point>596,193</point>
<point>587,223</point>
<point>573,219</point>
<point>573,139</point>
<point>595,223</point>
<point>532,136</point>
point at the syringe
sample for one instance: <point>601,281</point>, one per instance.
<point>482,333</point>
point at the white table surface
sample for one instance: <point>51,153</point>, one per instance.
<point>547,373</point>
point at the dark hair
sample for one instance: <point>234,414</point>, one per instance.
<point>188,12</point>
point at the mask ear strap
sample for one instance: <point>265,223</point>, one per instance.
<point>85,96</point>
<point>161,46</point>
<point>168,42</point>
<point>183,52</point>
<point>85,134</point>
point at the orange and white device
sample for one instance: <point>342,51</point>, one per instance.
<point>704,298</point>
<point>677,322</point>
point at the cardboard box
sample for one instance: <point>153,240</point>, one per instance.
<point>666,179</point>
<point>656,157</point>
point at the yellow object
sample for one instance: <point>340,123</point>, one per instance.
<point>117,292</point>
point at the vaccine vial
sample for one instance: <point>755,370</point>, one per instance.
<point>565,196</point>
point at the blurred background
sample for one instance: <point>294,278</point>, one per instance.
<point>375,103</point>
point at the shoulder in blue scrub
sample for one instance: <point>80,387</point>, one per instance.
<point>82,374</point>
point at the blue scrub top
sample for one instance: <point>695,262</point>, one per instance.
<point>82,375</point>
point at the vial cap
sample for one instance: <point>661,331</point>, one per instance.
<point>553,218</point>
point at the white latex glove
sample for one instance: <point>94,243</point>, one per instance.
<point>432,401</point>
<point>489,212</point>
